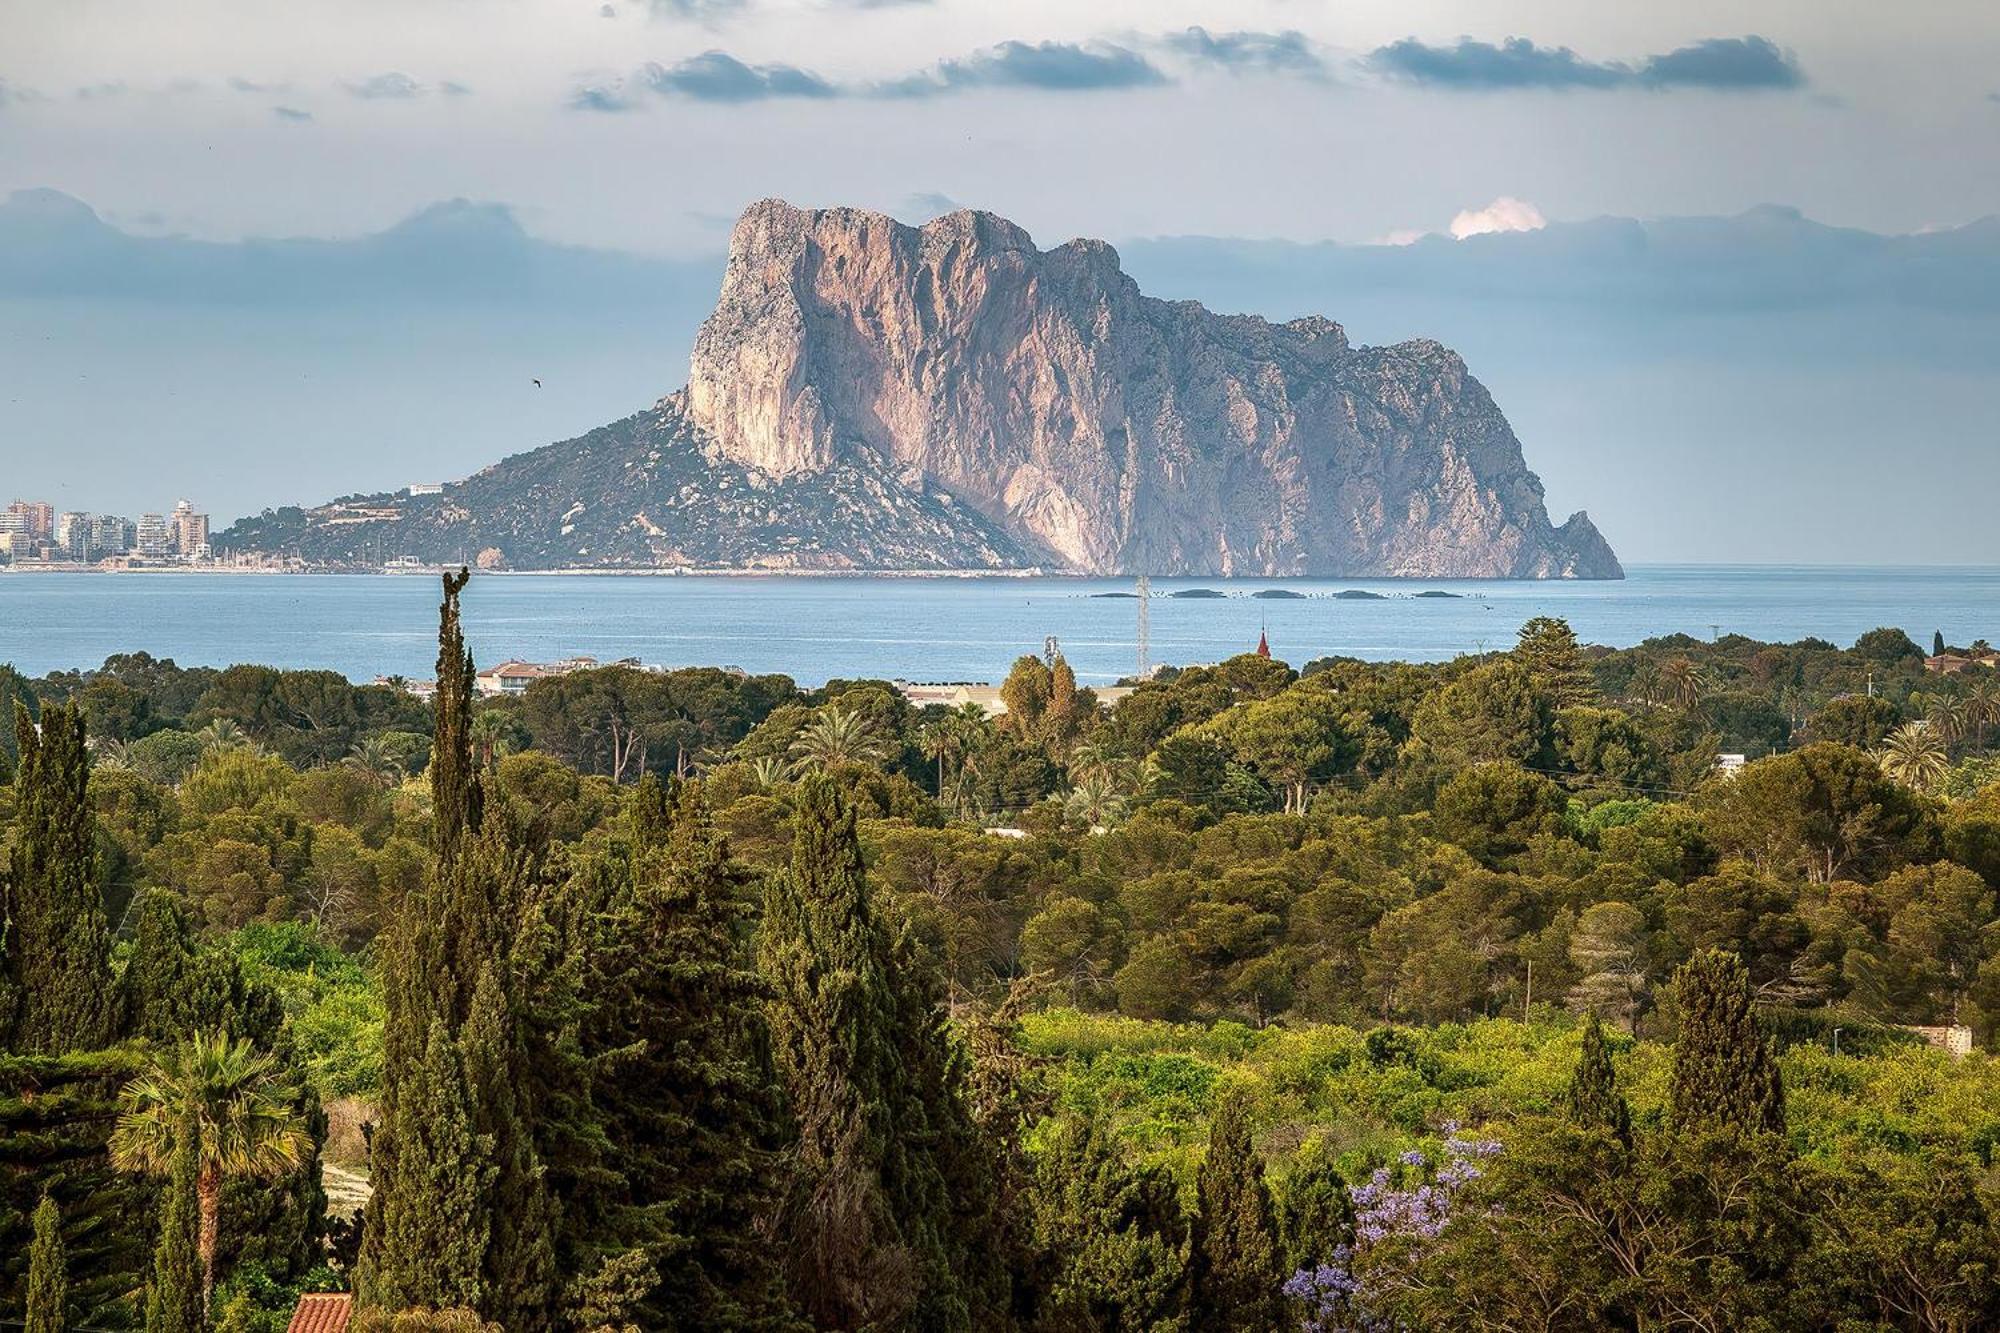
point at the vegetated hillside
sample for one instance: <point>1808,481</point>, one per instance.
<point>644,493</point>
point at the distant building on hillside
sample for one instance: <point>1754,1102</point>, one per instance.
<point>957,694</point>
<point>426,488</point>
<point>1729,765</point>
<point>515,676</point>
<point>1953,1039</point>
<point>1951,663</point>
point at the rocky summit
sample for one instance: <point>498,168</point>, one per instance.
<point>870,395</point>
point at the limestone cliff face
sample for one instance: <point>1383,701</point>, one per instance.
<point>1114,431</point>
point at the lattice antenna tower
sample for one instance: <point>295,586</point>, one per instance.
<point>1145,591</point>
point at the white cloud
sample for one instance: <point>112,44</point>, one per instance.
<point>1503,214</point>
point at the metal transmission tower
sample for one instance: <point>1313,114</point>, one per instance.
<point>1145,591</point>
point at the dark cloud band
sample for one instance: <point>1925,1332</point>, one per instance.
<point>1719,63</point>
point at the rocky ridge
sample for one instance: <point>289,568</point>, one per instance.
<point>872,395</point>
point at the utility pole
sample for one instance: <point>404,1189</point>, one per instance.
<point>1145,591</point>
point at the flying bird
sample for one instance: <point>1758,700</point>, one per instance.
<point>538,384</point>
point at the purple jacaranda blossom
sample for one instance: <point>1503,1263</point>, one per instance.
<point>1335,1296</point>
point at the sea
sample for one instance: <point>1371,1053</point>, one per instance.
<point>942,629</point>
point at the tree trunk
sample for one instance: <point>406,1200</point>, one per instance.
<point>208,1188</point>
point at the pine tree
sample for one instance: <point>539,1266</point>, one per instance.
<point>174,1300</point>
<point>1592,1099</point>
<point>1724,1075</point>
<point>58,946</point>
<point>1937,643</point>
<point>690,1112</point>
<point>866,1224</point>
<point>48,1272</point>
<point>1555,661</point>
<point>1237,1265</point>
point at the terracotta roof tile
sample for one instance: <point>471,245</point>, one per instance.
<point>322,1314</point>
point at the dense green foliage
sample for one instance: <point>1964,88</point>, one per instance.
<point>48,1272</point>
<point>1393,996</point>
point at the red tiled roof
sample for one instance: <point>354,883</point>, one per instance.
<point>322,1314</point>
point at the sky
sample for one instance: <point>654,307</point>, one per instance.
<point>1433,169</point>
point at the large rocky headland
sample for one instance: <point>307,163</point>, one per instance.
<point>871,395</point>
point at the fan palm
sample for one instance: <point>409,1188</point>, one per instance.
<point>245,1121</point>
<point>837,736</point>
<point>375,757</point>
<point>1914,755</point>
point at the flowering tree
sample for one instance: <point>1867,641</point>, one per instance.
<point>1399,1214</point>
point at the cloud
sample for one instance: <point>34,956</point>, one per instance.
<point>1993,97</point>
<point>1287,52</point>
<point>291,114</point>
<point>1503,214</point>
<point>98,92</point>
<point>1725,63</point>
<point>1045,66</point>
<point>602,97</point>
<point>927,204</point>
<point>1743,63</point>
<point>238,84</point>
<point>702,10</point>
<point>453,88</point>
<point>392,86</point>
<point>717,76</point>
<point>606,12</point>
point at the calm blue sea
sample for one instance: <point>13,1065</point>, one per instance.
<point>936,629</point>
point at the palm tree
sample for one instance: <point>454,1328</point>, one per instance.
<point>1913,755</point>
<point>107,753</point>
<point>837,736</point>
<point>1982,708</point>
<point>1680,683</point>
<point>377,758</point>
<point>244,1118</point>
<point>768,772</point>
<point>1095,803</point>
<point>491,740</point>
<point>1094,759</point>
<point>221,734</point>
<point>938,741</point>
<point>1947,718</point>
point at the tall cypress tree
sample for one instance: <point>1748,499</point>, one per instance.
<point>1111,1236</point>
<point>174,1300</point>
<point>1724,1075</point>
<point>1592,1100</point>
<point>58,946</point>
<point>866,1223</point>
<point>690,1111</point>
<point>460,1214</point>
<point>1238,1266</point>
<point>1315,1214</point>
<point>48,1272</point>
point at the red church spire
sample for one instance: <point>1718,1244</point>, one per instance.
<point>1263,643</point>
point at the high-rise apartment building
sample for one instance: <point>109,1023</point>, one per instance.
<point>73,536</point>
<point>154,537</point>
<point>111,535</point>
<point>190,530</point>
<point>35,518</point>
